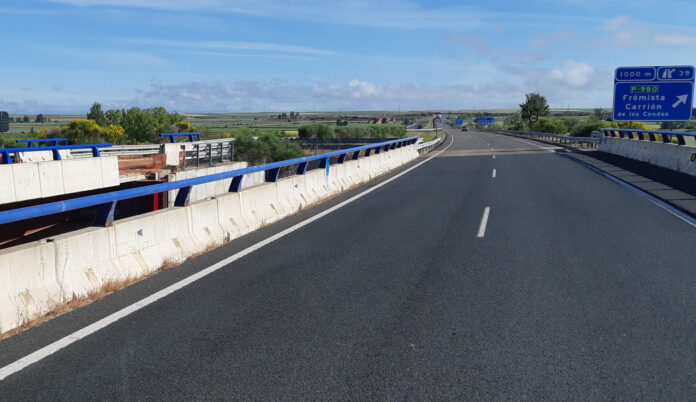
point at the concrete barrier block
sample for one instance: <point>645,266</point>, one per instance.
<point>51,178</point>
<point>260,204</point>
<point>110,172</point>
<point>77,253</point>
<point>7,184</point>
<point>147,230</point>
<point>26,181</point>
<point>28,283</point>
<point>81,175</point>
<point>172,152</point>
<point>230,216</point>
<point>205,227</point>
<point>288,194</point>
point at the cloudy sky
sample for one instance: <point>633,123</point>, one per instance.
<point>60,56</point>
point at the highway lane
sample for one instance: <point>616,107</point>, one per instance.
<point>578,289</point>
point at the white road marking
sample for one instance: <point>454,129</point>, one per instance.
<point>484,222</point>
<point>493,172</point>
<point>110,319</point>
<point>530,143</point>
<point>493,156</point>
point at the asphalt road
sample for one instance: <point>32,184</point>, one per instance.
<point>577,289</point>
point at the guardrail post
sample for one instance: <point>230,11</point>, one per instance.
<point>640,135</point>
<point>6,158</point>
<point>210,154</point>
<point>356,155</point>
<point>323,163</point>
<point>652,136</point>
<point>367,151</point>
<point>680,139</point>
<point>198,155</point>
<point>105,214</point>
<point>272,174</point>
<point>56,155</point>
<point>302,168</point>
<point>221,154</point>
<point>236,185</point>
<point>377,150</point>
<point>182,196</point>
<point>665,138</point>
<point>341,158</point>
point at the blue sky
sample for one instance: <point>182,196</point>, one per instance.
<point>60,56</point>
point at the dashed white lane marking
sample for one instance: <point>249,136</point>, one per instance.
<point>484,222</point>
<point>126,311</point>
<point>493,156</point>
<point>493,172</point>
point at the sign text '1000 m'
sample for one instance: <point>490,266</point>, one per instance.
<point>660,93</point>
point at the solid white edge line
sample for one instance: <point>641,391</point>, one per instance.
<point>484,222</point>
<point>110,319</point>
<point>530,143</point>
<point>494,173</point>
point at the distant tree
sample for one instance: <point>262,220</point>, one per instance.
<point>114,116</point>
<point>534,104</point>
<point>598,113</point>
<point>97,114</point>
<point>297,115</point>
<point>81,131</point>
<point>315,131</point>
<point>280,116</point>
<point>514,122</point>
<point>285,115</point>
<point>292,115</point>
<point>26,119</point>
<point>40,118</point>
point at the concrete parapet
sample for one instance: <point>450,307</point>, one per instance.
<point>32,180</point>
<point>667,155</point>
<point>36,277</point>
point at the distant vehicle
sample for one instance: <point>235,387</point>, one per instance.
<point>465,128</point>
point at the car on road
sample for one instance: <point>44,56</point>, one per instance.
<point>465,128</point>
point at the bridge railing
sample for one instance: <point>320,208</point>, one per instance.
<point>590,142</point>
<point>7,153</point>
<point>50,141</point>
<point>191,136</point>
<point>106,202</point>
<point>649,135</point>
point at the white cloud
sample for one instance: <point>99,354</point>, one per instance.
<point>226,45</point>
<point>385,13</point>
<point>625,31</point>
<point>572,74</point>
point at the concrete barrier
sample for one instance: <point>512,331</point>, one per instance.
<point>36,277</point>
<point>667,155</point>
<point>32,180</point>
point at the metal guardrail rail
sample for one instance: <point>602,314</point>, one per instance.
<point>648,135</point>
<point>51,141</point>
<point>590,142</point>
<point>107,201</point>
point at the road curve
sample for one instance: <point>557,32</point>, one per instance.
<point>572,287</point>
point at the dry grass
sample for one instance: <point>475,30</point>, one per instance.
<point>59,308</point>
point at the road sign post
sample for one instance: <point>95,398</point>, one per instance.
<point>660,93</point>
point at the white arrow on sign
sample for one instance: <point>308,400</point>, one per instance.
<point>680,99</point>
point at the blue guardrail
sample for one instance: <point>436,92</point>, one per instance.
<point>107,201</point>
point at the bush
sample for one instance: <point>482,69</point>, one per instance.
<point>584,128</point>
<point>268,148</point>
<point>315,131</point>
<point>548,125</point>
<point>82,131</point>
<point>371,131</point>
